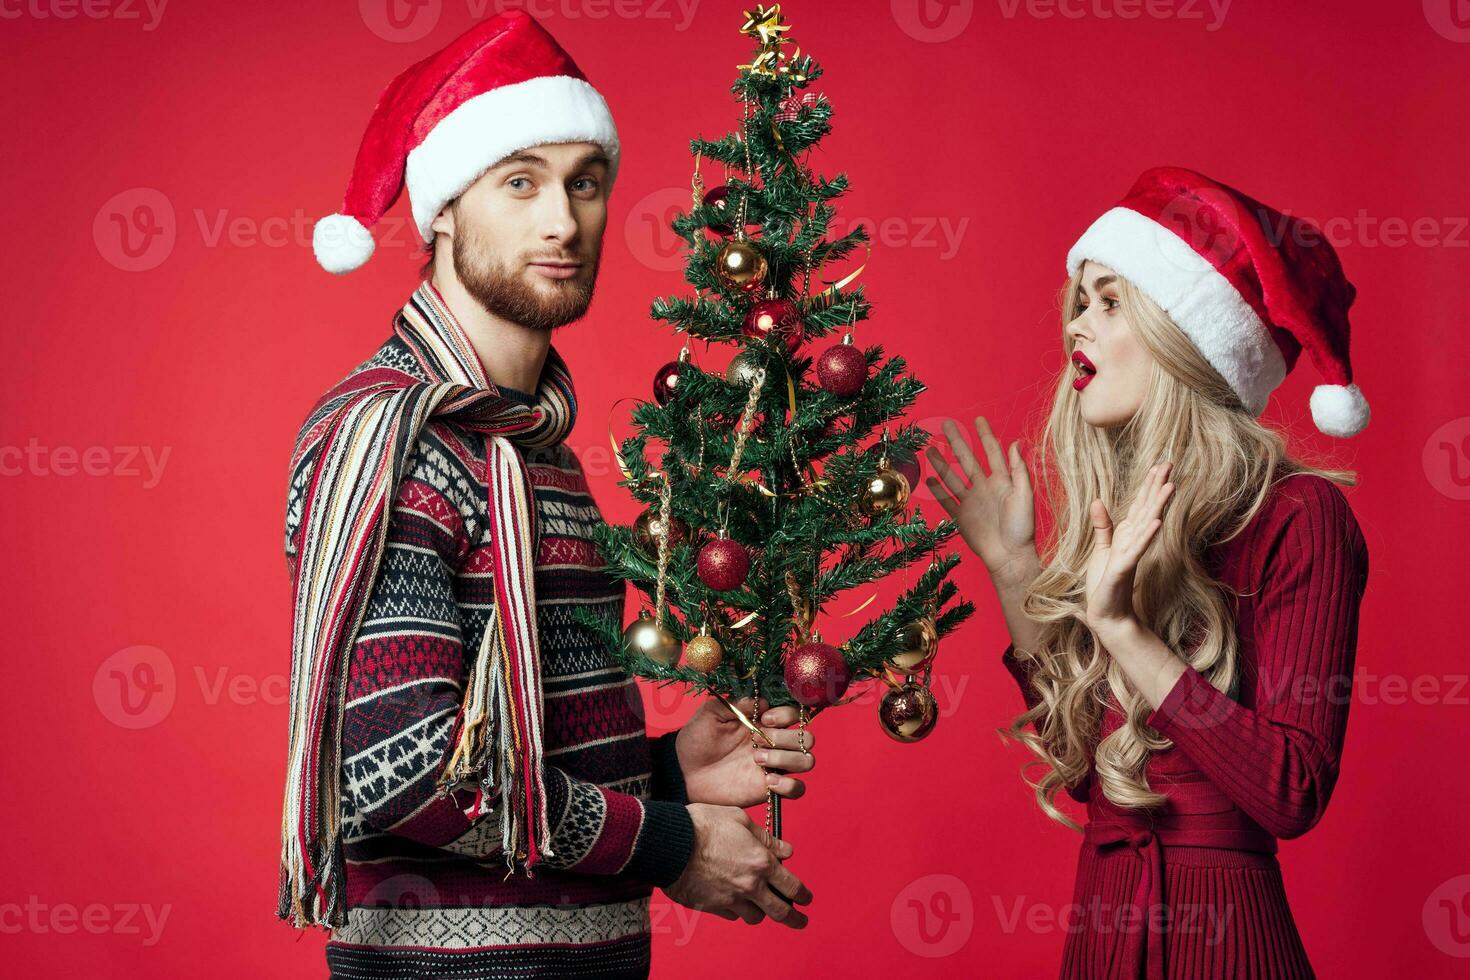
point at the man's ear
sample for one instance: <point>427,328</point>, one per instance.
<point>444,220</point>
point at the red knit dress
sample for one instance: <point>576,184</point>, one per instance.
<point>1193,890</point>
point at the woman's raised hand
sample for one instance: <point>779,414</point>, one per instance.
<point>995,511</point>
<point>1116,550</point>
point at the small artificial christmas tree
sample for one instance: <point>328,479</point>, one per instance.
<point>779,483</point>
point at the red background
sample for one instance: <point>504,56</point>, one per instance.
<point>237,123</point>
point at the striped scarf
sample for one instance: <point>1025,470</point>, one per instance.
<point>350,457</point>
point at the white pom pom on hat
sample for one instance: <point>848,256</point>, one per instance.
<point>1251,287</point>
<point>341,243</point>
<point>501,86</point>
<point>1339,410</point>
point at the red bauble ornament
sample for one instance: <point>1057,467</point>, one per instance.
<point>817,675</point>
<point>718,199</point>
<point>909,468</point>
<point>908,713</point>
<point>723,565</point>
<point>775,319</point>
<point>666,382</point>
<point>842,369</point>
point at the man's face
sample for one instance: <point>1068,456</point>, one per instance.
<point>526,238</point>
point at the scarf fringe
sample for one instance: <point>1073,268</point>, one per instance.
<point>501,749</point>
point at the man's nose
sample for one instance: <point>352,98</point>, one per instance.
<point>558,223</point>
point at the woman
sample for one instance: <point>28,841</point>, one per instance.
<point>1185,670</point>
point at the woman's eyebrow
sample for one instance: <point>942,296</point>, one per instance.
<point>1102,281</point>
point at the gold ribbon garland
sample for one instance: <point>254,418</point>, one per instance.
<point>834,289</point>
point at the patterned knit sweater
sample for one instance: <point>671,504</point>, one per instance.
<point>427,892</point>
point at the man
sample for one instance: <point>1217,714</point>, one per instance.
<point>470,788</point>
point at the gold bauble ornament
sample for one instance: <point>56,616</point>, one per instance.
<point>916,642</point>
<point>703,653</point>
<point>740,265</point>
<point>887,490</point>
<point>645,636</point>
<point>646,530</point>
<point>908,712</point>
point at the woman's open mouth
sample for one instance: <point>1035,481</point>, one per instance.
<point>1085,370</point>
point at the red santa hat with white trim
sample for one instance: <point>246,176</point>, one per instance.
<point>1250,286</point>
<point>502,86</point>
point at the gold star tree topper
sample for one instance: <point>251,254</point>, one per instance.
<point>766,26</point>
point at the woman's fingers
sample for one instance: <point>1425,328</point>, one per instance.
<point>1102,525</point>
<point>1159,489</point>
<point>1145,517</point>
<point>1144,489</point>
<point>1161,497</point>
<point>993,455</point>
<point>949,476</point>
<point>1020,476</point>
<point>950,505</point>
<point>1149,522</point>
<point>1147,496</point>
<point>962,453</point>
<point>1126,555</point>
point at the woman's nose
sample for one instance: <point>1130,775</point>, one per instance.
<point>1078,329</point>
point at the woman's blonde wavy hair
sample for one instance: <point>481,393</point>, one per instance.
<point>1225,461</point>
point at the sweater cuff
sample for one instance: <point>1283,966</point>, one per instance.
<point>665,844</point>
<point>1192,703</point>
<point>668,777</point>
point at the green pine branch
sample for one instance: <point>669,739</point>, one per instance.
<point>795,503</point>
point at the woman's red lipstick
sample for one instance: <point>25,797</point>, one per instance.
<point>1085,370</point>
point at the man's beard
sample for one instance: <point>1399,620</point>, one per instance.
<point>505,292</point>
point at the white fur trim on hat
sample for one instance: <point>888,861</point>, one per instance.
<point>1194,293</point>
<point>341,243</point>
<point>1339,410</point>
<point>482,131</point>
